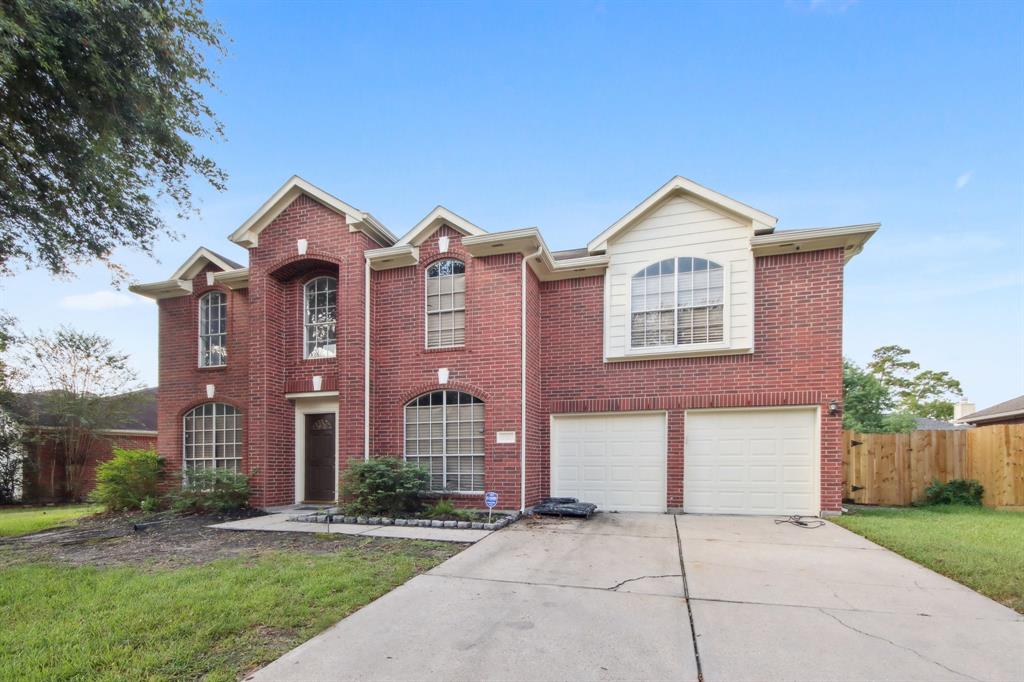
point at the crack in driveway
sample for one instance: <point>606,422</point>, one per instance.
<point>898,646</point>
<point>643,577</point>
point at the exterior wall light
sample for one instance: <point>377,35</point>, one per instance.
<point>833,408</point>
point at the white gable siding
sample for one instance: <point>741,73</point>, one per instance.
<point>682,227</point>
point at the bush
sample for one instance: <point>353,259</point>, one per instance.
<point>384,485</point>
<point>211,490</point>
<point>127,480</point>
<point>957,491</point>
<point>445,510</point>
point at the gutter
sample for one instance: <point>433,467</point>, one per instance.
<point>366,361</point>
<point>522,401</point>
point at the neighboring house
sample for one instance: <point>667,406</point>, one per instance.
<point>929,424</point>
<point>1009,412</point>
<point>45,478</point>
<point>689,357</point>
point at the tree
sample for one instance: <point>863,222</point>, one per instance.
<point>79,387</point>
<point>868,405</point>
<point>101,104</point>
<point>921,393</point>
<point>12,458</point>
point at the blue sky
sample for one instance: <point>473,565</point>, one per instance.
<point>565,115</point>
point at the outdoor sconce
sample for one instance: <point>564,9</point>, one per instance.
<point>833,408</point>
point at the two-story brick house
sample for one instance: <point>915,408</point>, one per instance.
<point>689,357</point>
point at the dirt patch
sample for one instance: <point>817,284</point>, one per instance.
<point>165,540</point>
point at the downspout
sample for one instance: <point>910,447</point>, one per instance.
<point>522,400</point>
<point>366,362</point>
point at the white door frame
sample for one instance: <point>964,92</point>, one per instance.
<point>609,413</point>
<point>304,406</point>
<point>763,408</point>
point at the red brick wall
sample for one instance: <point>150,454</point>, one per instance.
<point>45,479</point>
<point>798,304</point>
<point>276,276</point>
<point>183,382</point>
<point>487,365</point>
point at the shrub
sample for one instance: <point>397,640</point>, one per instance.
<point>957,491</point>
<point>384,485</point>
<point>444,509</point>
<point>211,490</point>
<point>127,480</point>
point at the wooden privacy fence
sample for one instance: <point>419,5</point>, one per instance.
<point>895,468</point>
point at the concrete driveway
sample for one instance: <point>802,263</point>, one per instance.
<point>605,599</point>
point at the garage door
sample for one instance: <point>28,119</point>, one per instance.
<point>751,462</point>
<point>616,461</point>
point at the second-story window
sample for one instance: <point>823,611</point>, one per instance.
<point>320,297</point>
<point>446,304</point>
<point>213,330</point>
<point>678,302</point>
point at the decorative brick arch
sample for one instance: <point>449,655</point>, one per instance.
<point>462,386</point>
<point>300,265</point>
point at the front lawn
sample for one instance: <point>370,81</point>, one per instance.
<point>23,520</point>
<point>981,548</point>
<point>161,597</point>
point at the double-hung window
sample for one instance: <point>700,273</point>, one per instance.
<point>213,330</point>
<point>446,304</point>
<point>678,302</point>
<point>444,433</point>
<point>320,310</point>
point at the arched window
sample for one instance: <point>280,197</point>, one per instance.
<point>212,438</point>
<point>213,330</point>
<point>446,304</point>
<point>444,433</point>
<point>678,301</point>
<point>320,297</point>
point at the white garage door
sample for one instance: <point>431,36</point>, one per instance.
<point>759,461</point>
<point>616,461</point>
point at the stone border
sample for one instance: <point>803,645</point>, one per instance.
<point>331,516</point>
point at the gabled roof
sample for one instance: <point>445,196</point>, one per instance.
<point>199,260</point>
<point>760,221</point>
<point>248,233</point>
<point>1014,407</point>
<point>32,408</point>
<point>433,220</point>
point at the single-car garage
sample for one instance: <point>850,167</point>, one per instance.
<point>751,461</point>
<point>617,461</point>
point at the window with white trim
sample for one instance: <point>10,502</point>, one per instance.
<point>444,433</point>
<point>320,304</point>
<point>446,304</point>
<point>212,438</point>
<point>678,302</point>
<point>213,330</point>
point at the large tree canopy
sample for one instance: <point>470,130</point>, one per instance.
<point>101,105</point>
<point>915,391</point>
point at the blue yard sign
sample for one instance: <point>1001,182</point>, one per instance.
<point>491,500</point>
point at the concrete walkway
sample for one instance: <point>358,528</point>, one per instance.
<point>605,599</point>
<point>280,522</point>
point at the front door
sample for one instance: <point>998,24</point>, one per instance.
<point>320,444</point>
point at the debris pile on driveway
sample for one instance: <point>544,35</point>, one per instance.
<point>565,506</point>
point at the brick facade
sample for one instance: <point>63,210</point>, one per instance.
<point>797,358</point>
<point>45,477</point>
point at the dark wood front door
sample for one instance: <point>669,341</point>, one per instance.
<point>320,444</point>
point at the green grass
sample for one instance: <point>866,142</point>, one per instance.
<point>981,548</point>
<point>22,520</point>
<point>214,621</point>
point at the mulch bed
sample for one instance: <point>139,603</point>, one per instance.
<point>165,540</point>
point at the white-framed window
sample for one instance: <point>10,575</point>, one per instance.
<point>444,433</point>
<point>678,302</point>
<point>320,310</point>
<point>213,329</point>
<point>446,303</point>
<point>212,438</point>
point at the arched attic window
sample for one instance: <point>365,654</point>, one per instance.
<point>678,302</point>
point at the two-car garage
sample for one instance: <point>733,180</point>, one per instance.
<point>736,461</point>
